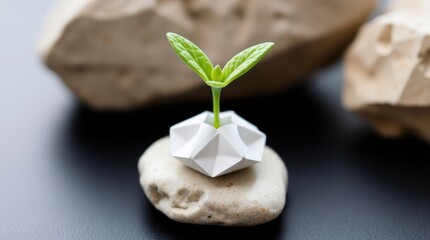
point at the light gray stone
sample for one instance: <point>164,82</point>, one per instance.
<point>251,196</point>
<point>387,71</point>
<point>114,54</point>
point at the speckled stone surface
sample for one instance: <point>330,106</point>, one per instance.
<point>114,54</point>
<point>248,197</point>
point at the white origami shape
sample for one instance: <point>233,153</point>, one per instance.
<point>235,145</point>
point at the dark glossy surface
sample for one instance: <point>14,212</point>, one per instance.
<point>67,172</point>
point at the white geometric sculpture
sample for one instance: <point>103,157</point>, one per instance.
<point>235,145</point>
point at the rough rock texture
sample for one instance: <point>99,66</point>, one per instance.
<point>388,71</point>
<point>251,196</point>
<point>114,54</point>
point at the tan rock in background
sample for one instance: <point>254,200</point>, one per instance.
<point>387,71</point>
<point>114,55</point>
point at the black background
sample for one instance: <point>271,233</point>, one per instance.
<point>67,172</point>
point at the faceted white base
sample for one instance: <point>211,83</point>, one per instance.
<point>235,145</point>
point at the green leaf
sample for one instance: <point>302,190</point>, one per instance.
<point>216,84</point>
<point>216,73</point>
<point>192,55</point>
<point>244,61</point>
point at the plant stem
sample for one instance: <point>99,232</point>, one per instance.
<point>216,93</point>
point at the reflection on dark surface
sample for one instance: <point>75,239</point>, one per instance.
<point>344,179</point>
<point>400,166</point>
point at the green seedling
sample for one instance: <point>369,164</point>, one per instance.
<point>216,77</point>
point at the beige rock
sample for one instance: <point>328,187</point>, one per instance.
<point>250,196</point>
<point>387,71</point>
<point>114,55</point>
